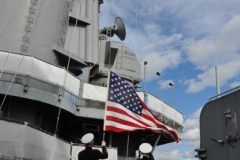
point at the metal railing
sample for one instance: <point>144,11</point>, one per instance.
<point>31,82</point>
<point>224,93</point>
<point>169,122</point>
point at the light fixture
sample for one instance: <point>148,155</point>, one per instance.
<point>78,107</point>
<point>59,97</point>
<point>25,89</point>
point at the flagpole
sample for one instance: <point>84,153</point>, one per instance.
<point>110,140</point>
<point>106,105</point>
<point>103,135</point>
<point>107,93</point>
<point>156,142</point>
<point>127,147</point>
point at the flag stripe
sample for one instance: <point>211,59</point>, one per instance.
<point>115,129</point>
<point>120,109</point>
<point>113,110</point>
<point>120,126</point>
<point>122,121</point>
<point>120,117</point>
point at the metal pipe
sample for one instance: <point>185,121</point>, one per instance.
<point>145,98</point>
<point>158,74</point>
<point>171,84</point>
<point>217,85</point>
<point>127,146</point>
<point>156,142</point>
<point>110,140</point>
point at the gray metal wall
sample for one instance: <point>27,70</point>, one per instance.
<point>115,56</point>
<point>219,122</point>
<point>82,40</point>
<point>32,27</point>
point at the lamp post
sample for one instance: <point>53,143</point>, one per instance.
<point>145,98</point>
<point>158,74</point>
<point>171,84</point>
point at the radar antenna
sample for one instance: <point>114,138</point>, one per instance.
<point>117,28</point>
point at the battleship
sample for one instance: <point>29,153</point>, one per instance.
<point>54,63</point>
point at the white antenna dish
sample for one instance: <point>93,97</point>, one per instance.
<point>118,28</point>
<point>121,31</point>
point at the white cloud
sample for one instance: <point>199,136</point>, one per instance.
<point>159,63</point>
<point>188,155</point>
<point>191,139</point>
<point>235,84</point>
<point>190,123</point>
<point>226,72</point>
<point>191,129</point>
<point>191,136</point>
<point>195,115</point>
<point>174,154</point>
<point>208,52</point>
<point>171,155</point>
<point>164,84</point>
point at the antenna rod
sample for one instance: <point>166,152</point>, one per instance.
<point>217,85</point>
<point>144,89</point>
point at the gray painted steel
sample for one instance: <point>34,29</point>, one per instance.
<point>34,28</point>
<point>219,128</point>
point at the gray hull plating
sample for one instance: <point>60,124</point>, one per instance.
<point>219,128</point>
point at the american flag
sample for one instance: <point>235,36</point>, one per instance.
<point>125,111</point>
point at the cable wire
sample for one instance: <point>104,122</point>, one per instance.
<point>136,27</point>
<point>6,62</point>
<point>69,58</point>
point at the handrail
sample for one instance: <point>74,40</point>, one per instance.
<point>224,93</point>
<point>166,120</point>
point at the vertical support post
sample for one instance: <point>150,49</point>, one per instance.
<point>217,85</point>
<point>127,146</point>
<point>171,85</point>
<point>103,135</point>
<point>145,95</point>
<point>158,88</point>
<point>110,140</point>
<point>156,142</point>
<point>158,74</point>
<point>172,97</point>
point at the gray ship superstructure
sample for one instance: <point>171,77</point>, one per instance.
<point>45,46</point>
<point>219,127</point>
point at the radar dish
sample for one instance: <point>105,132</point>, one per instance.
<point>121,31</point>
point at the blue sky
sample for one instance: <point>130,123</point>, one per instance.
<point>183,40</point>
